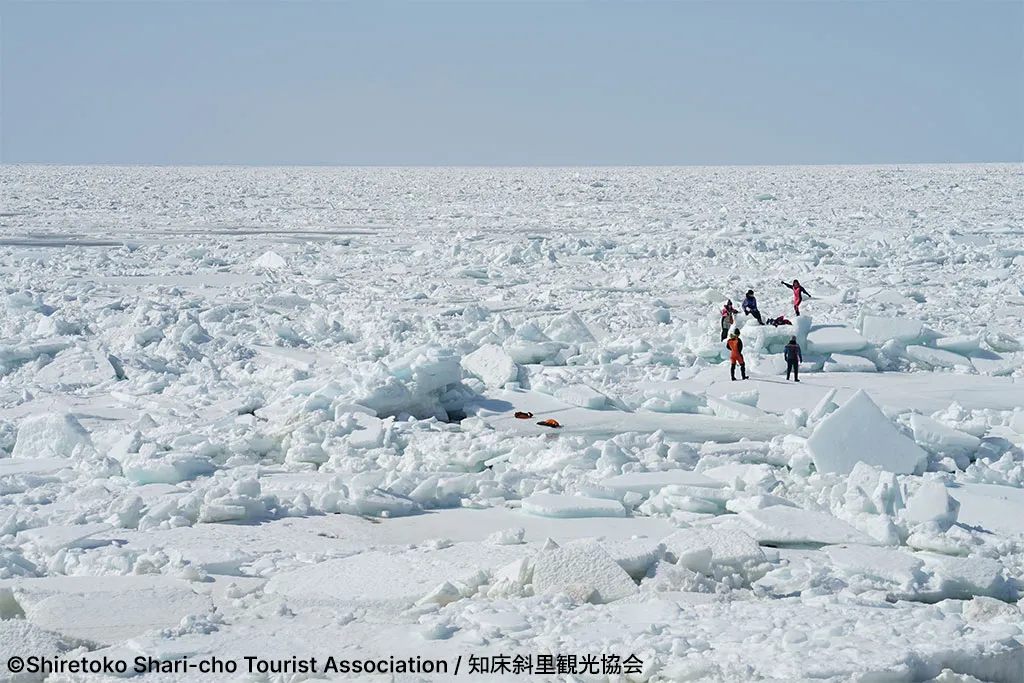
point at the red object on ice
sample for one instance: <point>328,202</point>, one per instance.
<point>549,423</point>
<point>523,416</point>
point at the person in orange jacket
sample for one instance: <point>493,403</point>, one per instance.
<point>735,345</point>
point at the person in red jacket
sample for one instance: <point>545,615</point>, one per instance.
<point>735,345</point>
<point>798,294</point>
<point>728,318</point>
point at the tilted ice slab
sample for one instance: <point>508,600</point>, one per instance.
<point>991,507</point>
<point>728,546</point>
<point>20,635</point>
<point>879,330</point>
<point>937,358</point>
<point>895,566</point>
<point>784,525</point>
<point>843,362</point>
<point>963,344</point>
<point>585,570</point>
<point>56,536</point>
<point>801,639</point>
<point>635,555</point>
<point>934,434</point>
<point>391,579</point>
<point>834,339</point>
<point>963,577</point>
<point>107,609</point>
<point>9,466</point>
<point>931,503</point>
<point>648,482</point>
<point>554,505</point>
<point>859,432</point>
<point>492,365</point>
<point>733,410</point>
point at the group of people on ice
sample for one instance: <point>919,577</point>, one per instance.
<point>732,340</point>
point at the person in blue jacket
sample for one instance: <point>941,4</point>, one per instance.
<point>793,358</point>
<point>750,306</point>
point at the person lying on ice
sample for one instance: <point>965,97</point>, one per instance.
<point>728,318</point>
<point>750,306</point>
<point>793,358</point>
<point>735,345</point>
<point>798,294</point>
<point>781,320</point>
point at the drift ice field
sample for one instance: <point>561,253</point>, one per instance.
<point>256,412</point>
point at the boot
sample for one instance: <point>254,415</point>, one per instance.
<point>732,372</point>
<point>743,370</point>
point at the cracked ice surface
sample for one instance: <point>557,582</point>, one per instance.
<point>271,410</point>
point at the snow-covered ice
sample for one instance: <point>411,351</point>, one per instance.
<point>258,410</point>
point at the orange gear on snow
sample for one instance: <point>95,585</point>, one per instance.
<point>549,423</point>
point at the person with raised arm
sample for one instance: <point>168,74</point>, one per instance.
<point>798,294</point>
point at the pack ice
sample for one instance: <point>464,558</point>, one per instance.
<point>274,411</point>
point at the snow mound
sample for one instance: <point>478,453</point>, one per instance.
<point>586,571</point>
<point>51,436</point>
<point>554,505</point>
<point>270,260</point>
<point>859,432</point>
<point>879,330</point>
<point>492,365</point>
<point>834,339</point>
<point>569,328</point>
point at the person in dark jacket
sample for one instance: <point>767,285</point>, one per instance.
<point>793,358</point>
<point>781,320</point>
<point>728,318</point>
<point>735,345</point>
<point>750,306</point>
<point>798,294</point>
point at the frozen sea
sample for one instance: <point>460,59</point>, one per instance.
<point>266,415</point>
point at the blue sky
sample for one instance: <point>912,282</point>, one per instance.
<point>512,83</point>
